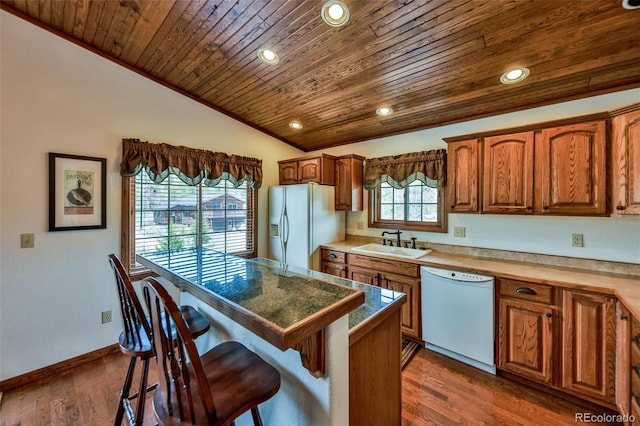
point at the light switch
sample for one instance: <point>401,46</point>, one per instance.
<point>27,241</point>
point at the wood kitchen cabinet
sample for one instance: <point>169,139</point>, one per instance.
<point>508,173</point>
<point>393,275</point>
<point>463,175</point>
<point>333,262</point>
<point>385,273</point>
<point>553,168</point>
<point>589,344</point>
<point>625,135</point>
<point>526,337</point>
<point>562,338</point>
<point>319,169</point>
<point>571,169</point>
<point>349,185</point>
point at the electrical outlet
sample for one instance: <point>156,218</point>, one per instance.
<point>106,317</point>
<point>27,241</point>
<point>577,240</point>
<point>360,224</point>
<point>459,231</point>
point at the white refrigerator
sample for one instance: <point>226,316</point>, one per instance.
<point>301,218</point>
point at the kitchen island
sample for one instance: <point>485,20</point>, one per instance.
<point>309,325</point>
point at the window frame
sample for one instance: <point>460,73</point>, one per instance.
<point>375,221</point>
<point>127,240</point>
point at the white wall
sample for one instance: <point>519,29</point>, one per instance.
<point>605,238</point>
<point>58,97</point>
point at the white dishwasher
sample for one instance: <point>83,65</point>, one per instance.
<point>458,315</point>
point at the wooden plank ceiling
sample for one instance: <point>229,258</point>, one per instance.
<point>434,62</point>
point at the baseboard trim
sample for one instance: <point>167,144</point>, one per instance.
<point>56,369</point>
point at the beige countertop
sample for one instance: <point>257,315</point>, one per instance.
<point>625,287</point>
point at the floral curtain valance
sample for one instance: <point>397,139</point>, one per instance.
<point>192,166</point>
<point>429,167</point>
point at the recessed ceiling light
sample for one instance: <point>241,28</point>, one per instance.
<point>335,13</point>
<point>295,125</point>
<point>384,111</point>
<point>268,56</point>
<point>515,75</point>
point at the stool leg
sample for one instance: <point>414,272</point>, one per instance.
<point>257,421</point>
<point>142,394</point>
<point>124,393</point>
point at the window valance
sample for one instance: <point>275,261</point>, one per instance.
<point>429,167</point>
<point>192,166</point>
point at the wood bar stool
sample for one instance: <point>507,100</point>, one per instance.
<point>136,341</point>
<point>209,389</point>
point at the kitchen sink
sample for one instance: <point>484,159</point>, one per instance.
<point>392,251</point>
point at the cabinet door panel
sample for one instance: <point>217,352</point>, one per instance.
<point>508,173</point>
<point>626,163</point>
<point>288,172</point>
<point>572,169</point>
<point>309,170</point>
<point>589,342</point>
<point>337,269</point>
<point>463,175</point>
<point>363,275</point>
<point>526,339</point>
<point>411,308</point>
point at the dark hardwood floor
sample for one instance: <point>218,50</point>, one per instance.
<point>436,391</point>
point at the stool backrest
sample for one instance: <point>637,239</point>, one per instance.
<point>177,357</point>
<point>134,320</point>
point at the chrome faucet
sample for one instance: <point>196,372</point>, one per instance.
<point>397,233</point>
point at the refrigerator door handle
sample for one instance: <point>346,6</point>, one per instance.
<point>284,233</point>
<point>285,230</point>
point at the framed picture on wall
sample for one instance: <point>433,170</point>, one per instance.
<point>77,192</point>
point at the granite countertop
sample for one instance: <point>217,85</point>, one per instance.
<point>264,290</point>
<point>376,299</point>
<point>624,286</point>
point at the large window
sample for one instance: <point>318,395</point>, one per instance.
<point>416,207</point>
<point>172,215</point>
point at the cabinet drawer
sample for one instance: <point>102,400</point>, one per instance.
<point>333,256</point>
<point>378,264</point>
<point>532,292</point>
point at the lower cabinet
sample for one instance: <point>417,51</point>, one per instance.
<point>589,345</point>
<point>562,338</point>
<point>385,273</point>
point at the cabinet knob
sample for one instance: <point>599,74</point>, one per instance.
<point>620,207</point>
<point>452,206</point>
<point>529,208</point>
<point>545,207</point>
<point>623,317</point>
<point>548,315</point>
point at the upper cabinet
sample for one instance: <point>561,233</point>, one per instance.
<point>571,169</point>
<point>557,168</point>
<point>508,173</point>
<point>463,172</point>
<point>319,169</point>
<point>349,169</point>
<point>626,160</point>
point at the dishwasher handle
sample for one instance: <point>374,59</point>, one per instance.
<point>525,290</point>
